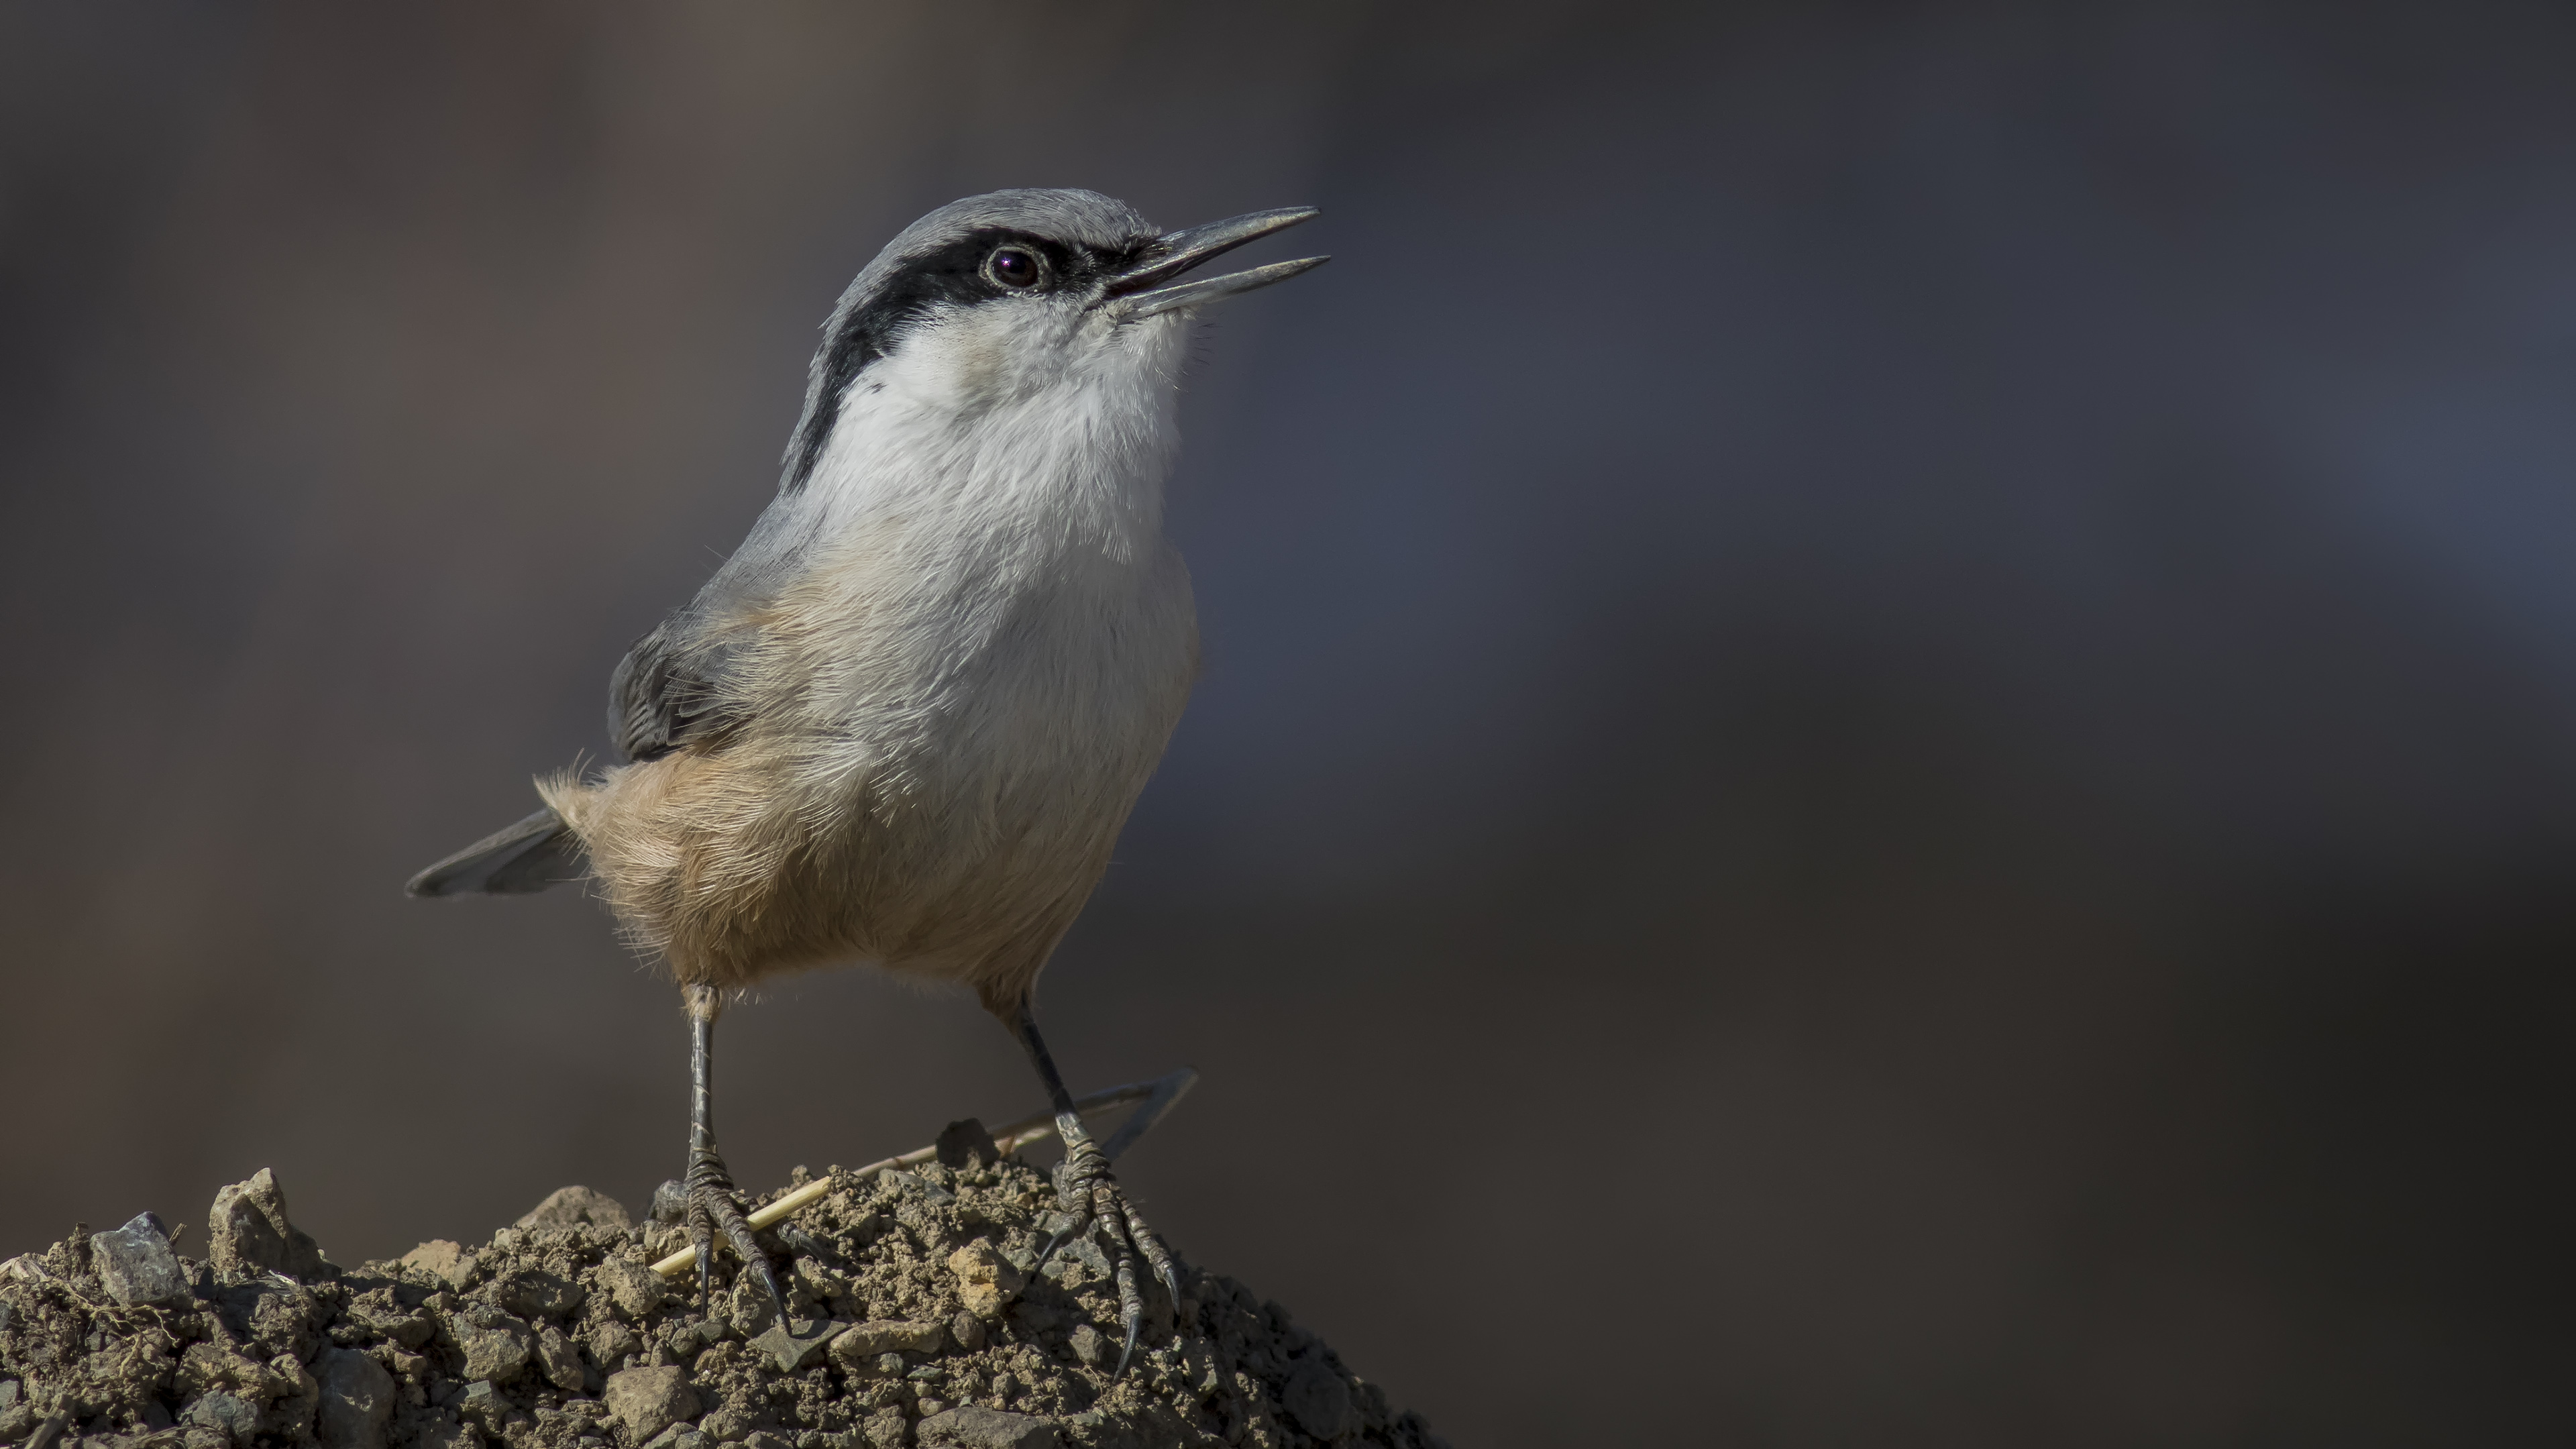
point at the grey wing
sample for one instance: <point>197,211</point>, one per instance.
<point>667,693</point>
<point>660,699</point>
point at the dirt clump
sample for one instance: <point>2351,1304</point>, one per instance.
<point>916,1312</point>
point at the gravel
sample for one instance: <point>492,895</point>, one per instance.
<point>915,1314</point>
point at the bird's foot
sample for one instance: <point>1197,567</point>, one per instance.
<point>1090,1197</point>
<point>713,1209</point>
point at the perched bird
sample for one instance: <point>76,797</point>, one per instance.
<point>904,723</point>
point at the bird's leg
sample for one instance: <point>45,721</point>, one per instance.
<point>713,1208</point>
<point>1087,1194</point>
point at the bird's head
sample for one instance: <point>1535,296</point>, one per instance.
<point>1005,296</point>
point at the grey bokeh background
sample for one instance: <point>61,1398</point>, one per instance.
<point>1886,749</point>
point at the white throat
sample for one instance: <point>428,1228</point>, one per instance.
<point>1034,423</point>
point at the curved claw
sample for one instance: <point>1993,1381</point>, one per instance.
<point>1059,1242</point>
<point>1135,1323</point>
<point>760,1269</point>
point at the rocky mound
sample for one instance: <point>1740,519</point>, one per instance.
<point>912,1316</point>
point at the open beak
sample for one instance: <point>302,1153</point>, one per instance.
<point>1147,287</point>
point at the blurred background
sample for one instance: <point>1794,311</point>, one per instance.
<point>1886,753</point>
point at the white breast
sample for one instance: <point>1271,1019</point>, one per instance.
<point>994,636</point>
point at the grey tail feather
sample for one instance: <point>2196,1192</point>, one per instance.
<point>525,858</point>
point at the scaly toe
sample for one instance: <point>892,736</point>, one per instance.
<point>714,1212</point>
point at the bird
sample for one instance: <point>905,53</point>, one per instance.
<point>903,724</point>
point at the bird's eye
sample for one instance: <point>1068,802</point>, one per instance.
<point>1014,267</point>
